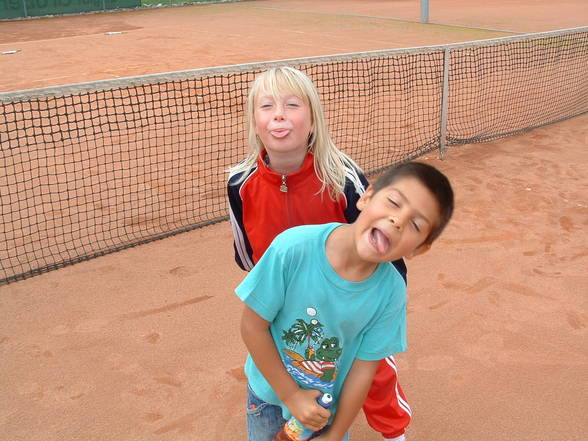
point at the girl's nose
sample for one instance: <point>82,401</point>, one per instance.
<point>279,112</point>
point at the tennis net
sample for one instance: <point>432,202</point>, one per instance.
<point>93,168</point>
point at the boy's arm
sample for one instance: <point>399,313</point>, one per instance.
<point>301,403</point>
<point>353,394</point>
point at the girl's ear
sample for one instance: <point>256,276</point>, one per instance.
<point>364,199</point>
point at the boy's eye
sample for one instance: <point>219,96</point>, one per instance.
<point>393,202</point>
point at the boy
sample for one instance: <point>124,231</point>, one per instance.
<point>316,318</point>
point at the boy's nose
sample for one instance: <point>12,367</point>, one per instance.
<point>396,222</point>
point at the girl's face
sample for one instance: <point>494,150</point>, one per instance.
<point>282,123</point>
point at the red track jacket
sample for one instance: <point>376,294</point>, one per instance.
<point>266,203</point>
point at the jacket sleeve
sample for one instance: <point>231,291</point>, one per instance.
<point>356,185</point>
<point>243,251</point>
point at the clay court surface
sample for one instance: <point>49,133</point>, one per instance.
<point>143,344</point>
<point>72,49</point>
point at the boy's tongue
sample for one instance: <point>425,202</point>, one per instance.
<point>380,241</point>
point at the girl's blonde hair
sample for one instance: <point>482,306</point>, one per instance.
<point>330,163</point>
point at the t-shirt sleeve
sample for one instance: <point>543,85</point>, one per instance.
<point>263,289</point>
<point>387,334</point>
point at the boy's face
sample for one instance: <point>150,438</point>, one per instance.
<point>395,221</point>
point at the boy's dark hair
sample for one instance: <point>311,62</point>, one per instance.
<point>435,181</point>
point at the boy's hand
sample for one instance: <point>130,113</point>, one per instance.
<point>304,407</point>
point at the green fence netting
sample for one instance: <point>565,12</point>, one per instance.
<point>34,8</point>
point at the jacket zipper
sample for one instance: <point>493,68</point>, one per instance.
<point>284,189</point>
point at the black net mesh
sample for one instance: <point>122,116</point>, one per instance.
<point>94,168</point>
<point>502,89</point>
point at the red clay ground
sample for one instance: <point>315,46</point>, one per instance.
<point>72,49</point>
<point>143,344</point>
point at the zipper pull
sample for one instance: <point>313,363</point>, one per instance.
<point>284,187</point>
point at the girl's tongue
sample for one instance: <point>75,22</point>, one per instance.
<point>379,240</point>
<point>280,133</point>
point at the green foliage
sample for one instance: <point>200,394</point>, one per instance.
<point>171,2</point>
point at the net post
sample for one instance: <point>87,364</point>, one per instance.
<point>444,104</point>
<point>424,11</point>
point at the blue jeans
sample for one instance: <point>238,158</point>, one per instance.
<point>264,420</point>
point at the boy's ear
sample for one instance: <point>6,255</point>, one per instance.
<point>364,198</point>
<point>422,249</point>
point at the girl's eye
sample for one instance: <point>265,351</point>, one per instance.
<point>416,225</point>
<point>393,202</point>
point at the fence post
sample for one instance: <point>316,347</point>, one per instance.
<point>24,8</point>
<point>424,11</point>
<point>444,104</point>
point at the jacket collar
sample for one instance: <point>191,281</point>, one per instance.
<point>306,170</point>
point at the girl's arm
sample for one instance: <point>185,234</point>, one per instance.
<point>243,250</point>
<point>355,185</point>
<point>353,394</point>
<point>301,403</point>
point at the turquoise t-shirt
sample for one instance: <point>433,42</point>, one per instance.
<point>320,322</point>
